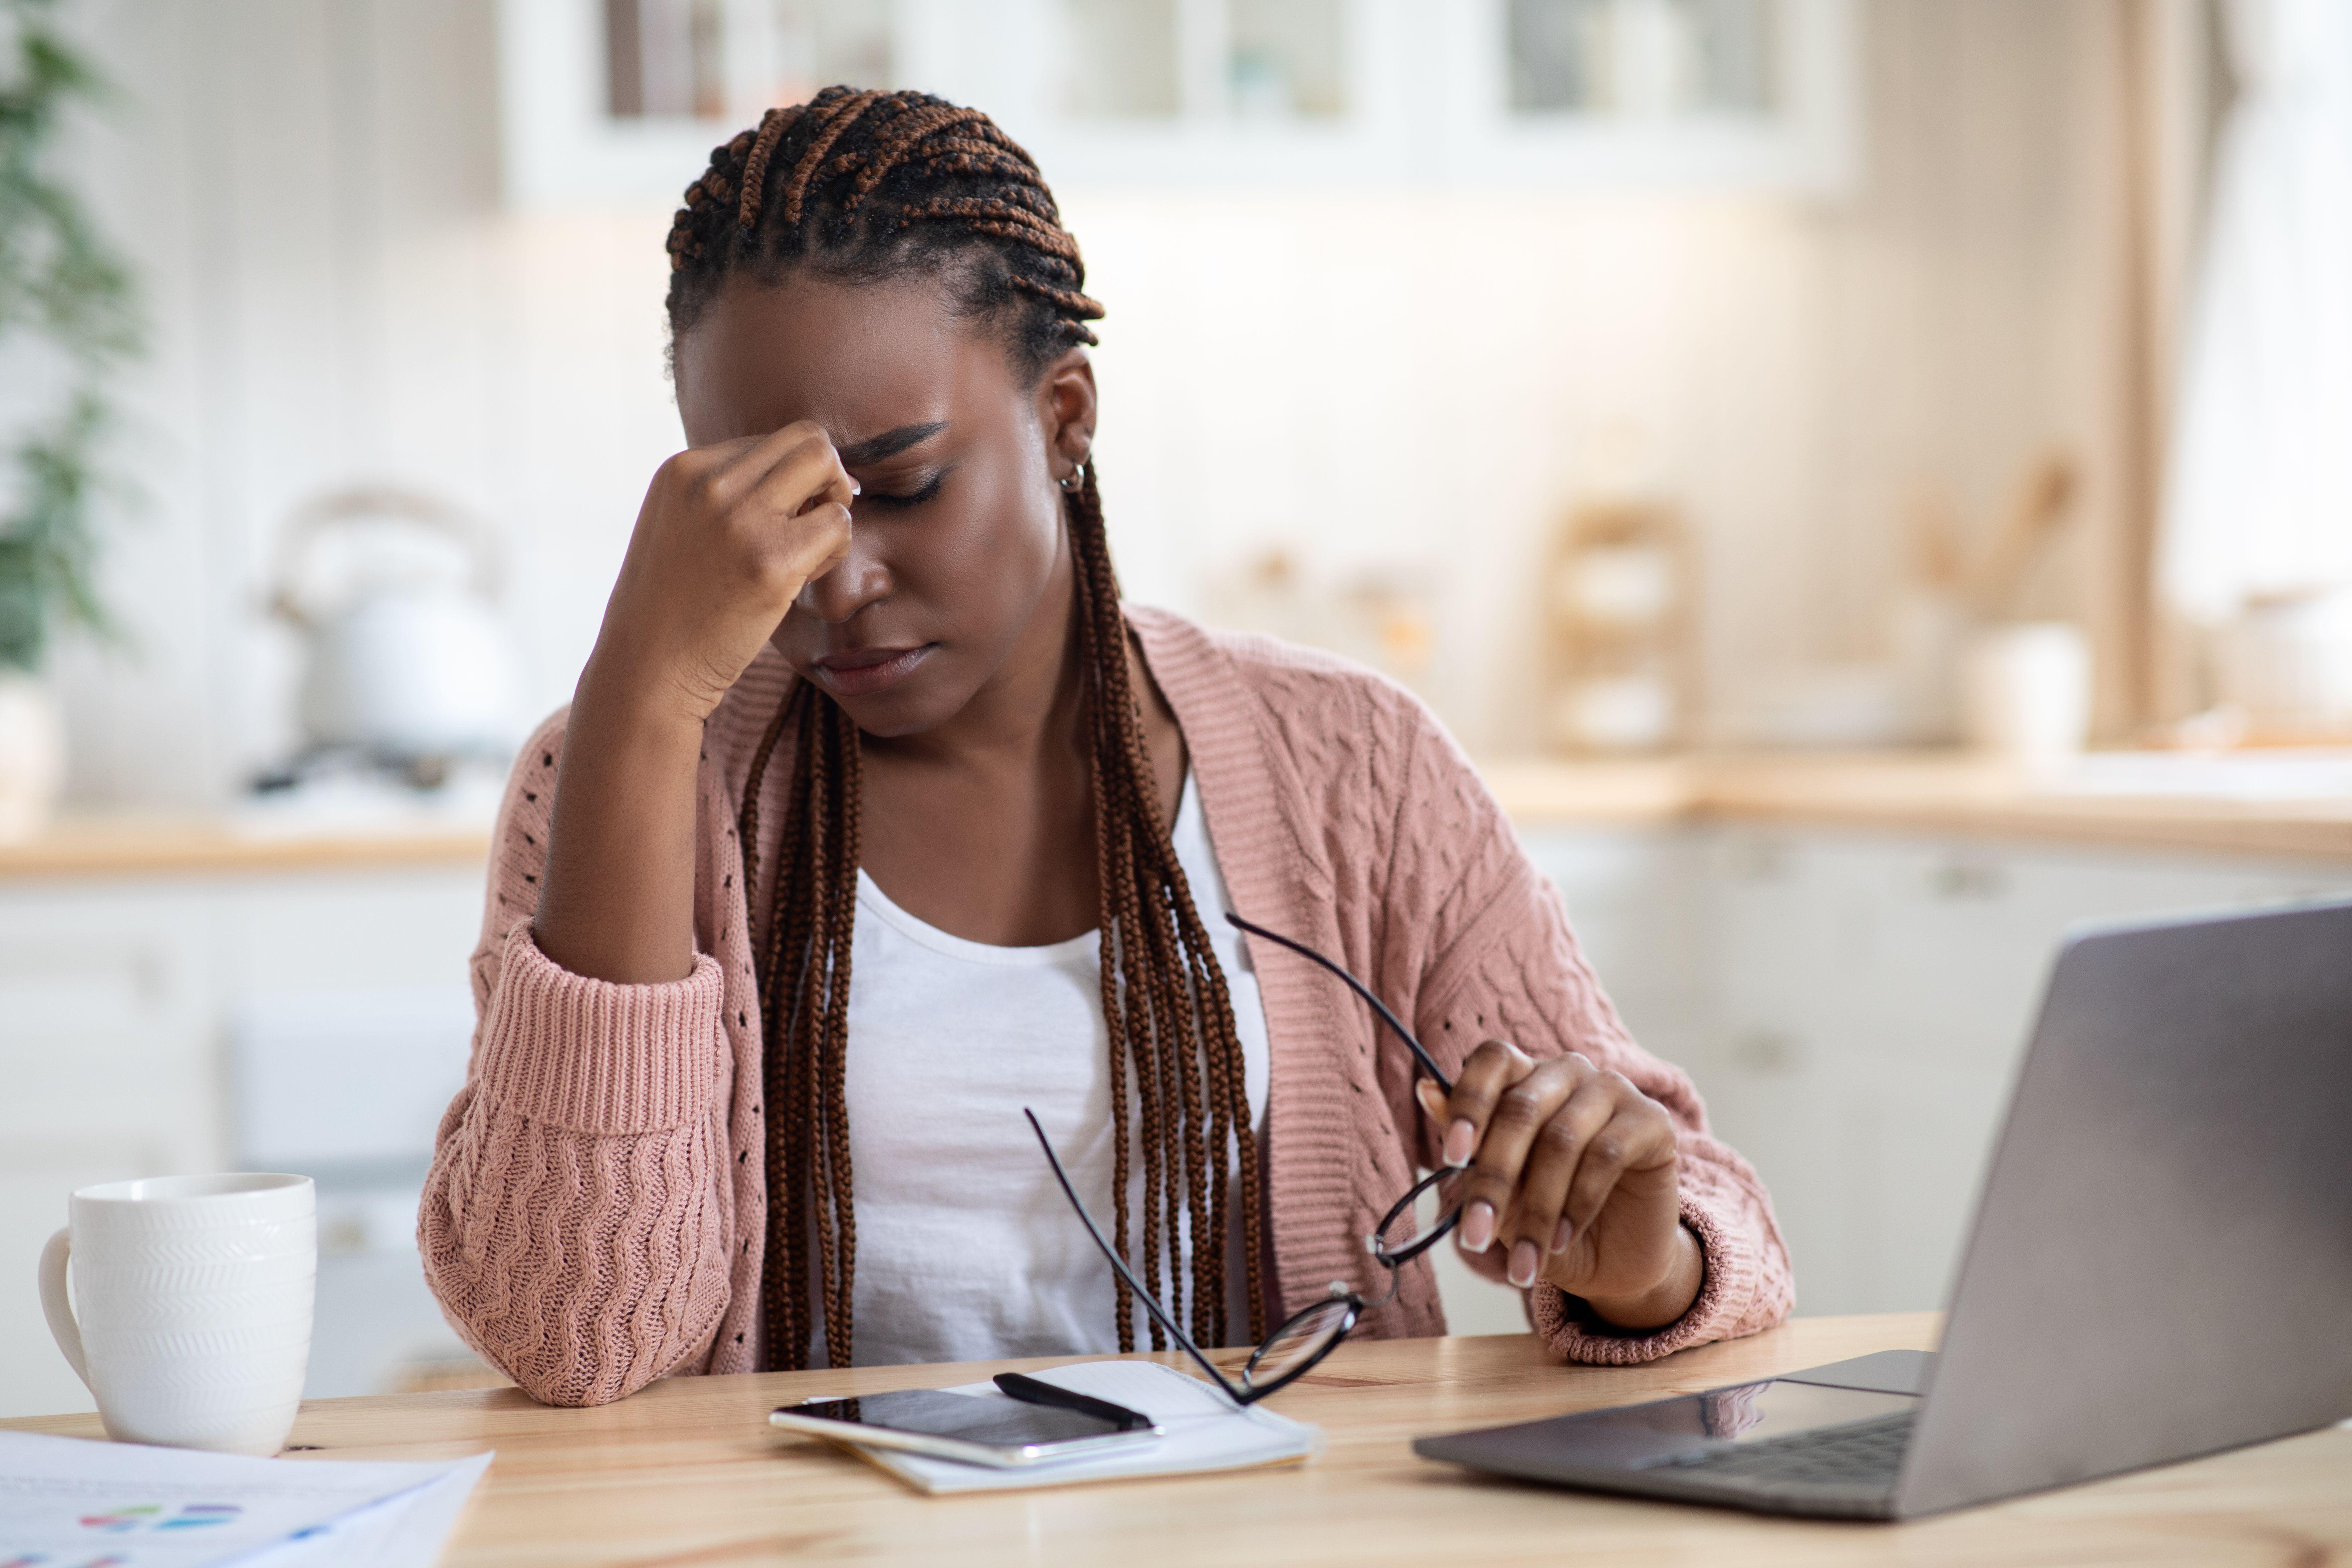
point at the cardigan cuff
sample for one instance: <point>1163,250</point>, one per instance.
<point>1575,1334</point>
<point>589,1056</point>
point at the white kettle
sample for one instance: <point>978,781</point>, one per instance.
<point>408,658</point>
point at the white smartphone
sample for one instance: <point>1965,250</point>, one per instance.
<point>974,1428</point>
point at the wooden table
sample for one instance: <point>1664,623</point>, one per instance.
<point>688,1475</point>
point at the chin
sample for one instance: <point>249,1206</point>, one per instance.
<point>892,717</point>
<point>923,702</point>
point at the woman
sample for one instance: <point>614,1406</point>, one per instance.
<point>800,902</point>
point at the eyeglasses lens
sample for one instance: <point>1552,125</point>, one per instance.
<point>1402,1233</point>
<point>1398,1231</point>
<point>1299,1341</point>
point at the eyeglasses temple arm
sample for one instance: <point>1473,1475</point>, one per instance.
<point>1360,988</point>
<point>1184,1341</point>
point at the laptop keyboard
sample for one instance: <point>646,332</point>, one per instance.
<point>1863,1457</point>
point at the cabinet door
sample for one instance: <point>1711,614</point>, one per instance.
<point>1780,979</point>
<point>356,931</point>
<point>1875,996</point>
<point>1631,898</point>
<point>115,1002</point>
<point>106,1047</point>
<point>108,1000</point>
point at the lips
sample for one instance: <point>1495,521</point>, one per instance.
<point>861,672</point>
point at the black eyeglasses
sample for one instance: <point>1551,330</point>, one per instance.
<point>1293,1351</point>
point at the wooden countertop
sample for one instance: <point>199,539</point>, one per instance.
<point>688,1475</point>
<point>1930,791</point>
<point>138,846</point>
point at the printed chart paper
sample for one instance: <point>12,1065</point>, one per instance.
<point>66,1502</point>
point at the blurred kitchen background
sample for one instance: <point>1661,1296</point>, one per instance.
<point>1870,479</point>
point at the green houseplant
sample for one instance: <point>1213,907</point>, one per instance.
<point>67,319</point>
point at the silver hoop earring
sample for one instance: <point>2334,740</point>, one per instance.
<point>1075,481</point>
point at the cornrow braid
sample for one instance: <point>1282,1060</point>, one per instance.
<point>863,186</point>
<point>755,165</point>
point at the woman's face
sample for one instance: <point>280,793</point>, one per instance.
<point>957,548</point>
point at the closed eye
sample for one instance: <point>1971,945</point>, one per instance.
<point>899,500</point>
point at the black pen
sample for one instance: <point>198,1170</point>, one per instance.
<point>1029,1391</point>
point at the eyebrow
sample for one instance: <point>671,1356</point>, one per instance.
<point>888,444</point>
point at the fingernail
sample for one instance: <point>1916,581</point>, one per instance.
<point>856,488</point>
<point>1560,1234</point>
<point>1523,1264</point>
<point>1478,1226</point>
<point>1461,1142</point>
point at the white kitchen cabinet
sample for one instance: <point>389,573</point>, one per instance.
<point>1637,903</point>
<point>1854,1004</point>
<point>622,100</point>
<point>104,1003</point>
<point>117,998</point>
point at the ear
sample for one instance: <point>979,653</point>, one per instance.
<point>1066,411</point>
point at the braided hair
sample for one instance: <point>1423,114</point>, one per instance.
<point>861,186</point>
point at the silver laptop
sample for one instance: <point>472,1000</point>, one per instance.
<point>2160,1267</point>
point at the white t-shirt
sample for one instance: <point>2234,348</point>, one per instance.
<point>967,1250</point>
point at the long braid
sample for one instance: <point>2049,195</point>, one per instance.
<point>863,186</point>
<point>1122,1298</point>
<point>1142,852</point>
<point>804,1003</point>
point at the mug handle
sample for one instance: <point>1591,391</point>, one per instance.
<point>56,1306</point>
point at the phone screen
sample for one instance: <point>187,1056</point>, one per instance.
<point>960,1418</point>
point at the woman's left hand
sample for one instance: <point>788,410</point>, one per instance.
<point>1570,1179</point>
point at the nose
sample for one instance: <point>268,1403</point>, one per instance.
<point>860,580</point>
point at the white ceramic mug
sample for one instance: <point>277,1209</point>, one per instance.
<point>189,1314</point>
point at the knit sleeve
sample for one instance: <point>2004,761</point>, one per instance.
<point>572,1225</point>
<point>1499,960</point>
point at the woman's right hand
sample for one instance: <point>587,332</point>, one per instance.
<point>727,538</point>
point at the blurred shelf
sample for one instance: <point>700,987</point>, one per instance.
<point>141,846</point>
<point>1937,792</point>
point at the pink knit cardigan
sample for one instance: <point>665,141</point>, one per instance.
<point>594,1216</point>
